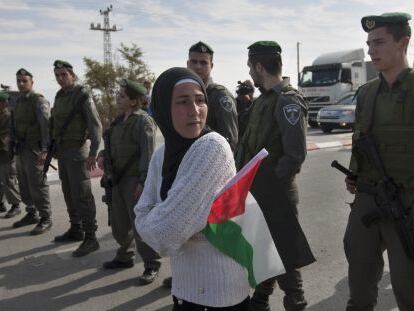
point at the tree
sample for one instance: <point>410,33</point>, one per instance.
<point>102,80</point>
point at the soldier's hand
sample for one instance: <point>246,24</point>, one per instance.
<point>350,185</point>
<point>41,158</point>
<point>138,192</point>
<point>100,162</point>
<point>91,163</point>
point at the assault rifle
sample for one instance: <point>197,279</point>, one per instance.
<point>343,169</point>
<point>388,197</point>
<point>107,178</point>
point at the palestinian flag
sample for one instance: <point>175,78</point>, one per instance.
<point>240,231</point>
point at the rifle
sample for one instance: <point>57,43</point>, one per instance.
<point>107,178</point>
<point>343,169</point>
<point>388,198</point>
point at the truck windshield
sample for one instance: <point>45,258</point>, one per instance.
<point>319,77</point>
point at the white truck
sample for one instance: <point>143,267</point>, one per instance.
<point>331,76</point>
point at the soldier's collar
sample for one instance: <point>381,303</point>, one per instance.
<point>400,78</point>
<point>26,95</point>
<point>210,81</point>
<point>282,84</point>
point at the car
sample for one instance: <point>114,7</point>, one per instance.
<point>340,115</point>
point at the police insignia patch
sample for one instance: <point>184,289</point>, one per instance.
<point>370,23</point>
<point>203,49</point>
<point>292,113</point>
<point>226,103</point>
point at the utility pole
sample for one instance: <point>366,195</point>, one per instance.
<point>297,58</point>
<point>107,29</point>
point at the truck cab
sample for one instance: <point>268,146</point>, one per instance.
<point>332,75</point>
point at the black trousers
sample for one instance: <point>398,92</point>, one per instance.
<point>182,305</point>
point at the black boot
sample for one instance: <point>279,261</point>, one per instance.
<point>74,234</point>
<point>167,282</point>
<point>13,211</point>
<point>44,225</point>
<point>2,208</point>
<point>117,264</point>
<point>28,219</point>
<point>89,245</point>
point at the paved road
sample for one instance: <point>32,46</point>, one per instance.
<point>36,274</point>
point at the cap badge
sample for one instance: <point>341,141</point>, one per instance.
<point>370,23</point>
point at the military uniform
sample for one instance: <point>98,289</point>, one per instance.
<point>222,112</point>
<point>387,114</point>
<point>134,139</point>
<point>277,122</point>
<point>31,135</point>
<point>80,140</point>
<point>8,175</point>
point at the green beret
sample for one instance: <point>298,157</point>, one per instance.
<point>23,72</point>
<point>201,47</point>
<point>133,89</point>
<point>62,64</point>
<point>264,47</point>
<point>4,96</point>
<point>374,21</point>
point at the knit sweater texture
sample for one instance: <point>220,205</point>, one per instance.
<point>201,274</point>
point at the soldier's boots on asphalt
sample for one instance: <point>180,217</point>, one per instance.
<point>148,276</point>
<point>2,208</point>
<point>13,211</point>
<point>167,282</point>
<point>117,264</point>
<point>89,245</point>
<point>43,225</point>
<point>28,219</point>
<point>74,234</point>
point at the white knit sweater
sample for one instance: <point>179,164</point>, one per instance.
<point>201,274</point>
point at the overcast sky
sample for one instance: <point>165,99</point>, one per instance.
<point>35,33</point>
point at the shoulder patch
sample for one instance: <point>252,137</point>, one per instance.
<point>226,103</point>
<point>292,113</point>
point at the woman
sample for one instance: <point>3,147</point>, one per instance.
<point>129,144</point>
<point>183,179</point>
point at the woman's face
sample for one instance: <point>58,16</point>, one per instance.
<point>188,110</point>
<point>124,102</point>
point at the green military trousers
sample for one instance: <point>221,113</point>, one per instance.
<point>8,182</point>
<point>76,187</point>
<point>123,227</point>
<point>364,249</point>
<point>33,188</point>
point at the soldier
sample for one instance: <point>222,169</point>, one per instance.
<point>385,112</point>
<point>8,179</point>
<point>277,122</point>
<point>222,113</point>
<point>30,132</point>
<point>75,121</point>
<point>131,144</point>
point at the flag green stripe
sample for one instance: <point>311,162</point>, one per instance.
<point>228,238</point>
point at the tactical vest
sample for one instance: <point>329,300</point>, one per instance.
<point>389,117</point>
<point>25,120</point>
<point>262,130</point>
<point>124,145</point>
<point>76,131</point>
